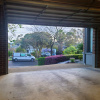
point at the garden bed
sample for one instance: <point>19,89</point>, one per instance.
<point>56,59</point>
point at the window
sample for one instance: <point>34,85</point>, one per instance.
<point>89,39</point>
<point>28,55</point>
<point>22,55</point>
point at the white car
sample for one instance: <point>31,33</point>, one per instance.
<point>22,57</point>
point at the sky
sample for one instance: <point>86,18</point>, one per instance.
<point>29,29</point>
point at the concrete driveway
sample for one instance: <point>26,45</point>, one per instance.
<point>18,64</point>
<point>46,67</point>
<point>61,84</point>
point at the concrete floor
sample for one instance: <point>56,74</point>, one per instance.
<point>60,84</point>
<point>46,67</point>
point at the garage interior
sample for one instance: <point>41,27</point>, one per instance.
<point>62,84</point>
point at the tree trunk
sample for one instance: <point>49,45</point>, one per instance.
<point>51,48</point>
<point>60,46</point>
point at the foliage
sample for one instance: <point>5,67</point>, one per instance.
<point>60,37</point>
<point>41,61</point>
<point>73,37</point>
<point>54,59</point>
<point>8,45</point>
<point>34,54</point>
<point>37,40</point>
<point>72,60</point>
<point>70,50</point>
<point>19,49</point>
<point>10,53</point>
<point>12,29</point>
<point>80,46</point>
<point>80,57</point>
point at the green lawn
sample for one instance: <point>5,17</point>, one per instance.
<point>10,58</point>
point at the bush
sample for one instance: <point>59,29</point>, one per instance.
<point>56,59</point>
<point>34,54</point>
<point>72,60</point>
<point>41,61</point>
<point>76,56</point>
<point>10,53</point>
<point>80,48</point>
<point>19,49</point>
<point>80,57</point>
<point>70,50</point>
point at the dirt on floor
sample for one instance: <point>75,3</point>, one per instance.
<point>47,67</point>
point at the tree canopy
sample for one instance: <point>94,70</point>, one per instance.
<point>37,40</point>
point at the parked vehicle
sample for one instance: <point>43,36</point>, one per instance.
<point>22,57</point>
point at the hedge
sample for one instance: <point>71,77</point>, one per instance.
<point>56,59</point>
<point>41,61</point>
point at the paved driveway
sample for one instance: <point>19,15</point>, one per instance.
<point>13,64</point>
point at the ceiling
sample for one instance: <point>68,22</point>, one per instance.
<point>70,13</point>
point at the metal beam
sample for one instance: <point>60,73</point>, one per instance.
<point>41,13</point>
<point>55,15</point>
<point>54,24</point>
<point>77,5</point>
<point>18,5</point>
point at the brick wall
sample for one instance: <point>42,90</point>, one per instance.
<point>83,39</point>
<point>93,48</point>
<point>97,47</point>
<point>3,43</point>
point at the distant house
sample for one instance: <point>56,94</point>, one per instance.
<point>12,45</point>
<point>30,49</point>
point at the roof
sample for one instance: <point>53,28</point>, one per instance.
<point>77,13</point>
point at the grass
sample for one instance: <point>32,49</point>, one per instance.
<point>10,58</point>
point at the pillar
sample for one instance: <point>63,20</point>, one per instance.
<point>3,42</point>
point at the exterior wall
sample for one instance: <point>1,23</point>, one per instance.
<point>97,49</point>
<point>3,43</point>
<point>88,57</point>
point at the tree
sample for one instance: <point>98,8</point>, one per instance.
<point>74,37</point>
<point>49,29</point>
<point>19,49</point>
<point>37,40</point>
<point>80,48</point>
<point>70,50</point>
<point>12,29</point>
<point>60,37</point>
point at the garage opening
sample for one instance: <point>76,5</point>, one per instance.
<point>36,45</point>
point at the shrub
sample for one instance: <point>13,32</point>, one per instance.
<point>19,49</point>
<point>80,57</point>
<point>80,48</point>
<point>56,59</point>
<point>41,61</point>
<point>73,56</point>
<point>10,53</point>
<point>72,60</point>
<point>34,54</point>
<point>70,50</point>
